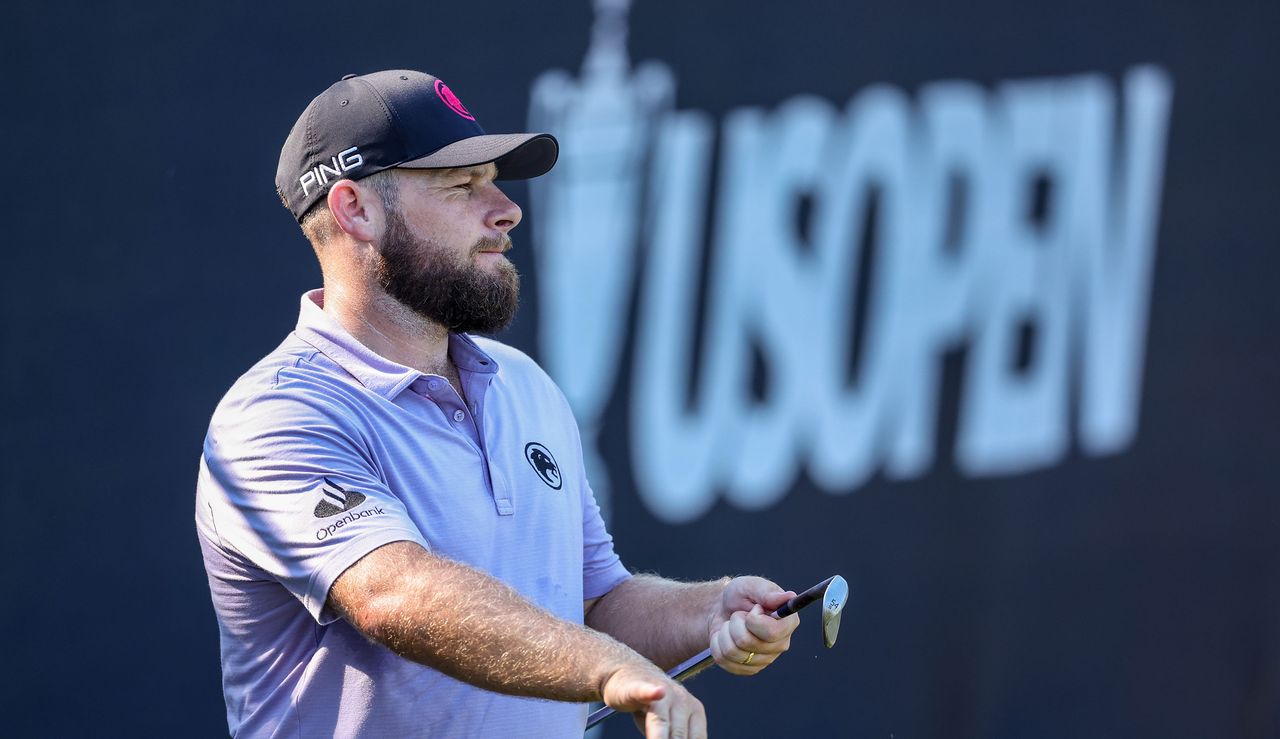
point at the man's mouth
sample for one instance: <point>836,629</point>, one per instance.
<point>493,246</point>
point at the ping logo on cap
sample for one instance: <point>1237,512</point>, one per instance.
<point>318,176</point>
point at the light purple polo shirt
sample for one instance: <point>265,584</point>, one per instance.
<point>324,451</point>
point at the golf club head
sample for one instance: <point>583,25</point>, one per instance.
<point>833,600</point>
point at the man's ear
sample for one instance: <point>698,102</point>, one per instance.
<point>357,212</point>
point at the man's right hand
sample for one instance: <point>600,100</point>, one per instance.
<point>662,708</point>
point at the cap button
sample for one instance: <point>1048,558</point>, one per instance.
<point>349,76</point>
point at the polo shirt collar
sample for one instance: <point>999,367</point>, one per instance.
<point>377,373</point>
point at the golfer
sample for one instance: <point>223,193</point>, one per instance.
<point>399,536</point>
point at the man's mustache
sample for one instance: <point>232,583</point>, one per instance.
<point>498,244</point>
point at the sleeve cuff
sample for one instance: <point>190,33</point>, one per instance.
<point>602,582</point>
<point>322,579</point>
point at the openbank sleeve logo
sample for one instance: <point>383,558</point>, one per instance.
<point>334,499</point>
<point>544,464</point>
<point>452,100</point>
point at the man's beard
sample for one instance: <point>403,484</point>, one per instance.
<point>443,286</point>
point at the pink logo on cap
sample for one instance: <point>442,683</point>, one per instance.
<point>452,100</point>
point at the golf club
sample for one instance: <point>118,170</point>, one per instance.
<point>833,592</point>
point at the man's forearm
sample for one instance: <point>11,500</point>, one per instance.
<point>472,627</point>
<point>664,620</point>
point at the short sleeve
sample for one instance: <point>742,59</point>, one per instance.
<point>292,488</point>
<point>602,569</point>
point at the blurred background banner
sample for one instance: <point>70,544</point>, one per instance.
<point>974,306</point>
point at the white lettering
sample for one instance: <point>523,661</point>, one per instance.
<point>850,252</point>
<point>675,452</point>
<point>1013,415</point>
<point>306,179</point>
<point>317,176</point>
<point>350,159</point>
<point>853,397</point>
<point>326,171</point>
<point>764,266</point>
<point>1115,249</point>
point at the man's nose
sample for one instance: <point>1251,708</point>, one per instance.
<point>504,215</point>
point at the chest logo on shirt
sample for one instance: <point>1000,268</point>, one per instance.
<point>544,464</point>
<point>334,499</point>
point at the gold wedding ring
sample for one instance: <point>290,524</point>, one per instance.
<point>750,656</point>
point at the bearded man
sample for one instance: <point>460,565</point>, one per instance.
<point>399,536</point>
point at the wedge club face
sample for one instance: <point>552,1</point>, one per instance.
<point>833,601</point>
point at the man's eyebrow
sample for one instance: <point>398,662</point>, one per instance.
<point>479,170</point>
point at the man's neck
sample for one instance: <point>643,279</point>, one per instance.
<point>390,329</point>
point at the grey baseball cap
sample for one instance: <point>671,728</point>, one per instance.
<point>395,118</point>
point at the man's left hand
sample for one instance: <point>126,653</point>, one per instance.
<point>745,639</point>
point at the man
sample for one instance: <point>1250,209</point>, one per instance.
<point>399,536</point>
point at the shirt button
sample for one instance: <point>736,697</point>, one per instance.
<point>434,384</point>
<point>458,416</point>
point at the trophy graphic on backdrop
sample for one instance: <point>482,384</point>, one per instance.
<point>588,217</point>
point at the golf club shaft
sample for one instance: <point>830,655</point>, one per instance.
<point>704,658</point>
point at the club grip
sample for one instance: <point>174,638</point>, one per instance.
<point>804,599</point>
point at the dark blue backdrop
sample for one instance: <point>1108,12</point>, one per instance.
<point>148,263</point>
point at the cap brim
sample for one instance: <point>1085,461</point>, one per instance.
<point>519,156</point>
